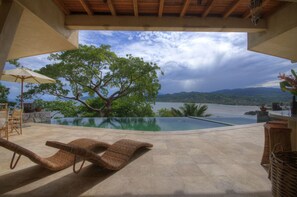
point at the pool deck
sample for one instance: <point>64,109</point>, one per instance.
<point>210,162</point>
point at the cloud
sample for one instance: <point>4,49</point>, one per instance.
<point>98,38</point>
<point>204,61</point>
<point>33,63</point>
<point>192,50</point>
<point>271,84</point>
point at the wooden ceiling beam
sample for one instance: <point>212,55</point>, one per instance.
<point>248,13</point>
<point>203,2</point>
<point>135,7</point>
<point>111,8</point>
<point>232,8</point>
<point>62,7</point>
<point>210,5</point>
<point>161,7</point>
<point>86,7</point>
<point>164,23</point>
<point>185,8</point>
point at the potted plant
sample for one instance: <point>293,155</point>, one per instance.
<point>263,108</point>
<point>289,84</point>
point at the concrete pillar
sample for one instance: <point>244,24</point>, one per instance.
<point>280,38</point>
<point>10,15</point>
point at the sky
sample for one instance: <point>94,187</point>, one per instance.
<point>191,61</point>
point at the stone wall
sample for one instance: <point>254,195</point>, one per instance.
<point>37,117</point>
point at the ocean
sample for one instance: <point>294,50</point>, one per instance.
<point>216,110</point>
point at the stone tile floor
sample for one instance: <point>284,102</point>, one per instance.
<point>210,162</point>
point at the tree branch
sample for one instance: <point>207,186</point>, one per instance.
<point>81,101</point>
<point>93,89</point>
<point>107,81</point>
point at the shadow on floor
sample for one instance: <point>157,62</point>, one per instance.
<point>69,185</point>
<point>23,177</point>
<point>29,175</point>
<point>228,193</point>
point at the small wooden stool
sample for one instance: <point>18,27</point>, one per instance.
<point>275,134</point>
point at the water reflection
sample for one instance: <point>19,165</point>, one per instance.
<point>143,124</point>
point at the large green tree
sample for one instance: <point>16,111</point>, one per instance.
<point>123,107</point>
<point>99,72</point>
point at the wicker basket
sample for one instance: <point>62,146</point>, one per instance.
<point>284,174</point>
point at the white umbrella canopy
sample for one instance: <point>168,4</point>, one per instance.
<point>24,75</point>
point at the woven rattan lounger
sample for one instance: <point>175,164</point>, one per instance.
<point>56,162</point>
<point>114,158</point>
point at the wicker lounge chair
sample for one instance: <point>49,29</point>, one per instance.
<point>114,158</point>
<point>56,162</point>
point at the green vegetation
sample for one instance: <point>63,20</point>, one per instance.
<point>15,62</point>
<point>123,107</point>
<point>67,108</point>
<point>247,96</point>
<point>114,86</point>
<point>188,109</point>
<point>3,93</point>
<point>164,112</point>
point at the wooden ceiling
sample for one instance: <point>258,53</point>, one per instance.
<point>168,8</point>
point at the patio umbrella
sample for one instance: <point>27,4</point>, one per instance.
<point>24,75</point>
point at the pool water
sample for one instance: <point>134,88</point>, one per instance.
<point>142,124</point>
<point>234,120</point>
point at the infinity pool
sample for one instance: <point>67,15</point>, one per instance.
<point>142,124</point>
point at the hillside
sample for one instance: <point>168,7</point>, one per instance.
<point>246,96</point>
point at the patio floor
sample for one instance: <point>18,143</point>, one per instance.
<point>210,162</point>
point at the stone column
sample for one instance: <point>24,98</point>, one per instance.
<point>10,16</point>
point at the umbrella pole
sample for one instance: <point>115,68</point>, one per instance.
<point>22,90</point>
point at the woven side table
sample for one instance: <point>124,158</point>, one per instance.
<point>284,174</point>
<point>279,122</point>
<point>275,134</point>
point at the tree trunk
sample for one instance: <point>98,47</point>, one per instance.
<point>108,109</point>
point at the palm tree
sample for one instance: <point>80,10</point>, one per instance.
<point>201,111</point>
<point>191,109</point>
<point>176,112</point>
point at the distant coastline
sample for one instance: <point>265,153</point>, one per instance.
<point>245,96</point>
